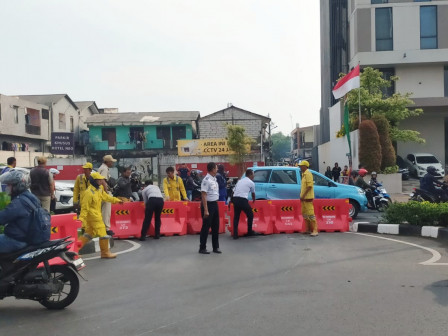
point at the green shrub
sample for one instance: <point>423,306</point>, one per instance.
<point>2,228</point>
<point>369,146</point>
<point>417,213</point>
<point>390,170</point>
<point>388,158</point>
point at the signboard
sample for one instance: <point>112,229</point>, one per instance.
<point>203,147</point>
<point>62,143</point>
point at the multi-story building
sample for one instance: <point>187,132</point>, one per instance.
<point>144,140</point>
<point>402,38</point>
<point>303,140</point>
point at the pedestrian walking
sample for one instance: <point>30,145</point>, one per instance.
<point>306,198</point>
<point>91,217</point>
<point>209,210</point>
<point>81,185</point>
<point>106,208</point>
<point>190,185</point>
<point>241,203</point>
<point>153,199</point>
<point>123,189</point>
<point>53,172</point>
<point>173,186</point>
<point>42,185</point>
<point>11,164</point>
<point>329,173</point>
<point>336,172</point>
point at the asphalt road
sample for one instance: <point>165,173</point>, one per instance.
<point>335,284</point>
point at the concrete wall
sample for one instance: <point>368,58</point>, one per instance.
<point>335,119</point>
<point>421,80</point>
<point>64,107</point>
<point>336,151</point>
<point>24,159</point>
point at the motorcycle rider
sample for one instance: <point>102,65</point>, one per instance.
<point>373,181</point>
<point>429,183</point>
<point>16,216</point>
<point>365,186</point>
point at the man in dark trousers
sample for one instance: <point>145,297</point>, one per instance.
<point>209,210</point>
<point>153,205</point>
<point>241,202</point>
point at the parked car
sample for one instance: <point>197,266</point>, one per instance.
<point>63,193</point>
<point>284,183</point>
<point>402,168</point>
<point>418,162</point>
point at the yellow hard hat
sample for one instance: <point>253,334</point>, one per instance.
<point>97,176</point>
<point>88,165</point>
<point>304,163</point>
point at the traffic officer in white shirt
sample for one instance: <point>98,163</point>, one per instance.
<point>209,210</point>
<point>241,203</point>
<point>153,206</point>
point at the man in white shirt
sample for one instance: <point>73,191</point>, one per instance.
<point>209,210</point>
<point>153,205</point>
<point>106,207</point>
<point>241,203</point>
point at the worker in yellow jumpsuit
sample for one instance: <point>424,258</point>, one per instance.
<point>81,185</point>
<point>91,213</point>
<point>173,187</point>
<point>306,199</point>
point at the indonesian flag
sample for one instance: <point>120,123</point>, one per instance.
<point>347,83</point>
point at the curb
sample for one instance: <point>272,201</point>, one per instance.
<point>436,232</point>
<point>93,246</point>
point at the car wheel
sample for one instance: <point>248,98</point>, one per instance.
<point>354,209</point>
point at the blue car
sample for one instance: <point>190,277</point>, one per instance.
<point>284,183</point>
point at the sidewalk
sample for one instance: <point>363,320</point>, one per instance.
<point>402,198</point>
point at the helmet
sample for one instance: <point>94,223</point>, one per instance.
<point>97,176</point>
<point>304,163</point>
<point>354,173</point>
<point>362,172</point>
<point>17,179</point>
<point>373,173</point>
<point>432,170</point>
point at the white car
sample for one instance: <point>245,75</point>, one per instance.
<point>63,193</point>
<point>418,162</point>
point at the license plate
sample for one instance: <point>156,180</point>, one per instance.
<point>79,263</point>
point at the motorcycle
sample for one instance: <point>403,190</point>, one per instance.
<point>53,286</point>
<point>421,195</point>
<point>381,191</point>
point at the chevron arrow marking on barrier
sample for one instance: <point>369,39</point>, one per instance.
<point>254,210</point>
<point>54,229</point>
<point>287,208</point>
<point>168,211</point>
<point>328,207</point>
<point>122,212</point>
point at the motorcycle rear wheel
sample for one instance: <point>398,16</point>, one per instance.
<point>70,287</point>
<point>383,206</point>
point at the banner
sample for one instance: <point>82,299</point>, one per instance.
<point>203,147</point>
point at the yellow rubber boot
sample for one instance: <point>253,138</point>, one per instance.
<point>105,252</point>
<point>313,225</point>
<point>84,240</point>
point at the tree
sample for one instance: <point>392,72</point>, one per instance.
<point>281,146</point>
<point>369,146</point>
<point>388,158</point>
<point>374,102</point>
<point>239,143</point>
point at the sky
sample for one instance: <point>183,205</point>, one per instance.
<point>168,55</point>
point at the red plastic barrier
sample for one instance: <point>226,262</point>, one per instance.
<point>174,219</point>
<point>262,218</point>
<point>332,214</point>
<point>66,225</point>
<point>194,218</point>
<point>287,216</point>
<point>126,219</point>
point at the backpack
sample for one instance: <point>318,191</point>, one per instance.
<point>39,230</point>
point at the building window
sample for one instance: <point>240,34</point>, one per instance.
<point>61,121</point>
<point>445,76</point>
<point>387,74</point>
<point>384,29</point>
<point>375,2</point>
<point>164,133</point>
<point>32,121</point>
<point>428,27</point>
<point>109,135</point>
<point>179,132</point>
<point>72,125</point>
<point>16,114</point>
<point>45,114</point>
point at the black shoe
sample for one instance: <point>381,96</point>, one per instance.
<point>157,237</point>
<point>142,238</point>
<point>253,234</point>
<point>204,251</point>
<point>217,251</point>
<point>110,233</point>
<point>235,237</point>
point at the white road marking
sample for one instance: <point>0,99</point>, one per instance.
<point>436,256</point>
<point>134,247</point>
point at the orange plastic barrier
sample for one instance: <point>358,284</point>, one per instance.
<point>174,219</point>
<point>262,218</point>
<point>126,219</point>
<point>66,225</point>
<point>332,214</point>
<point>194,218</point>
<point>287,216</point>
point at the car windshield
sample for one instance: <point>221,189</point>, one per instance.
<point>427,159</point>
